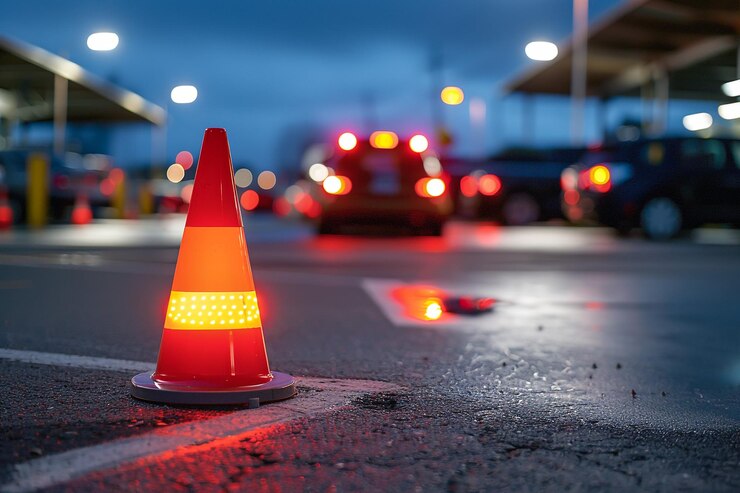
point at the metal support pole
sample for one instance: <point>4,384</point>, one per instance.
<point>477,113</point>
<point>528,118</point>
<point>646,101</point>
<point>660,109</point>
<point>61,88</point>
<point>579,66</point>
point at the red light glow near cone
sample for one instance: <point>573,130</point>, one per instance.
<point>213,349</point>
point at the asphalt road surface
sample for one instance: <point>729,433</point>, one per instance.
<point>606,364</point>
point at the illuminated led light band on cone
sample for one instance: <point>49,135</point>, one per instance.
<point>213,350</point>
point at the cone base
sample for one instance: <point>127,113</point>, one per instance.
<point>281,387</point>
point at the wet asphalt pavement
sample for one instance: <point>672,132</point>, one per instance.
<point>606,364</point>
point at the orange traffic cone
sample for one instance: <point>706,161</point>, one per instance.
<point>81,212</point>
<point>6,212</point>
<point>213,350</point>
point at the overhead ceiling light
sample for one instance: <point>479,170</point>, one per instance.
<point>729,111</point>
<point>732,88</point>
<point>697,121</point>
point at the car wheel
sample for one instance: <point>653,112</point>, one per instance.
<point>661,218</point>
<point>436,229</point>
<point>520,208</point>
<point>327,228</point>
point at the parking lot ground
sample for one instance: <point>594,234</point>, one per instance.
<point>606,363</point>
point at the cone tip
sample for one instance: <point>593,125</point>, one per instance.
<point>216,131</point>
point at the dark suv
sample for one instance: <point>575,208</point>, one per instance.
<point>662,185</point>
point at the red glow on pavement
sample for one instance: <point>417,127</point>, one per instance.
<point>468,186</point>
<point>421,302</point>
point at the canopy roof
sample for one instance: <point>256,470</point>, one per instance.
<point>694,42</point>
<point>27,78</point>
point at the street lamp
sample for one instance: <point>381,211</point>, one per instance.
<point>452,95</point>
<point>541,51</point>
<point>102,41</point>
<point>184,94</point>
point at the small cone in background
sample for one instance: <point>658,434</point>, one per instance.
<point>81,212</point>
<point>213,349</point>
<point>6,212</point>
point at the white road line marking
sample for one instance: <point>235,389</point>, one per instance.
<point>167,269</point>
<point>89,362</point>
<point>324,395</point>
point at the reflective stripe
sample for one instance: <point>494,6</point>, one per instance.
<point>205,310</point>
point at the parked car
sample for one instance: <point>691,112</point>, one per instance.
<point>67,180</point>
<point>381,182</point>
<point>662,185</point>
<point>511,191</point>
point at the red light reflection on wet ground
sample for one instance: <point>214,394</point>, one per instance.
<point>421,302</point>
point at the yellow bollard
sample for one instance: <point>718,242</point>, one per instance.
<point>118,200</point>
<point>146,199</point>
<point>37,194</point>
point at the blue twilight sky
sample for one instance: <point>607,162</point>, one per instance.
<point>269,70</point>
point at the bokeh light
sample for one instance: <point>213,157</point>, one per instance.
<point>175,173</point>
<point>347,141</point>
<point>435,187</point>
<point>418,143</point>
<point>468,186</point>
<point>249,200</point>
<point>452,95</point>
<point>318,172</point>
<point>489,184</point>
<point>266,180</point>
<point>187,193</point>
<point>383,139</point>
<point>243,178</point>
<point>185,159</point>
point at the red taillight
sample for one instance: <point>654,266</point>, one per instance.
<point>337,185</point>
<point>468,186</point>
<point>489,184</point>
<point>347,141</point>
<point>430,187</point>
